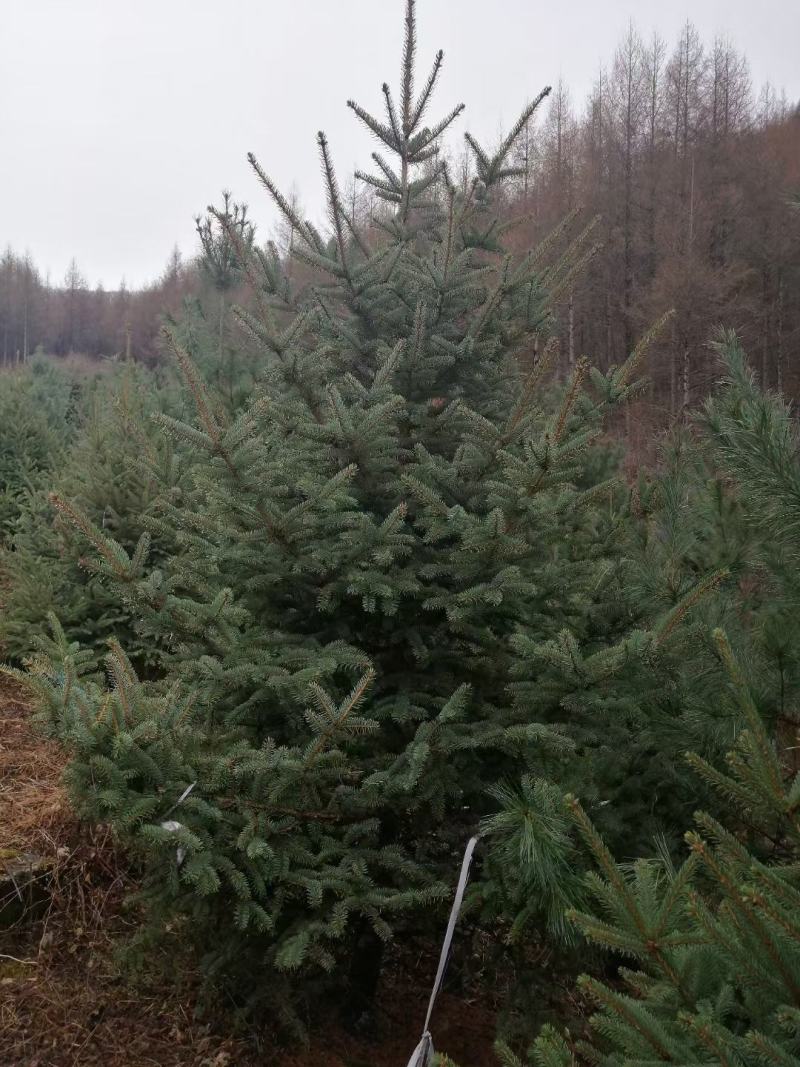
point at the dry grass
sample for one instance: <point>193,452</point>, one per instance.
<point>34,813</point>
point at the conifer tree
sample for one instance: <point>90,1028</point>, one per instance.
<point>38,415</point>
<point>712,949</point>
<point>226,238</point>
<point>117,470</point>
<point>705,953</point>
<point>382,554</point>
<point>720,504</point>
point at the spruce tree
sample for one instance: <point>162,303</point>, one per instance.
<point>712,948</point>
<point>704,952</point>
<point>39,408</point>
<point>116,470</point>
<point>720,504</point>
<point>226,238</point>
<point>382,553</point>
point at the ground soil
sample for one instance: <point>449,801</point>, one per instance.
<point>65,1002</point>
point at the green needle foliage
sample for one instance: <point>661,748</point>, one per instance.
<point>397,580</point>
<point>705,954</point>
<point>722,503</point>
<point>117,470</point>
<point>39,412</point>
<point>227,238</point>
<point>712,949</point>
<point>372,582</point>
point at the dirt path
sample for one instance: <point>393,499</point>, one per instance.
<point>63,1001</point>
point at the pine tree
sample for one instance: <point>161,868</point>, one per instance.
<point>382,553</point>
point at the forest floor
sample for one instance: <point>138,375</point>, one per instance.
<point>64,1001</point>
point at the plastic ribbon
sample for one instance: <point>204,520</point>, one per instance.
<point>173,826</point>
<point>423,1053</point>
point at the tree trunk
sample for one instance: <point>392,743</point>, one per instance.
<point>221,325</point>
<point>779,337</point>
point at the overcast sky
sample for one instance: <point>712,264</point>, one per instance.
<point>121,119</point>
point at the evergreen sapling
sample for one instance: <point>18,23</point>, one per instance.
<point>375,551</point>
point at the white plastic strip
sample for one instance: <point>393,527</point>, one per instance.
<point>173,826</point>
<point>182,797</point>
<point>423,1053</point>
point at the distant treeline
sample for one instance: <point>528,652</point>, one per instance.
<point>695,178</point>
<point>71,317</point>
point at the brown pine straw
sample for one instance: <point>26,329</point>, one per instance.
<point>34,812</point>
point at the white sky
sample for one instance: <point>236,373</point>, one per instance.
<point>121,119</point>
